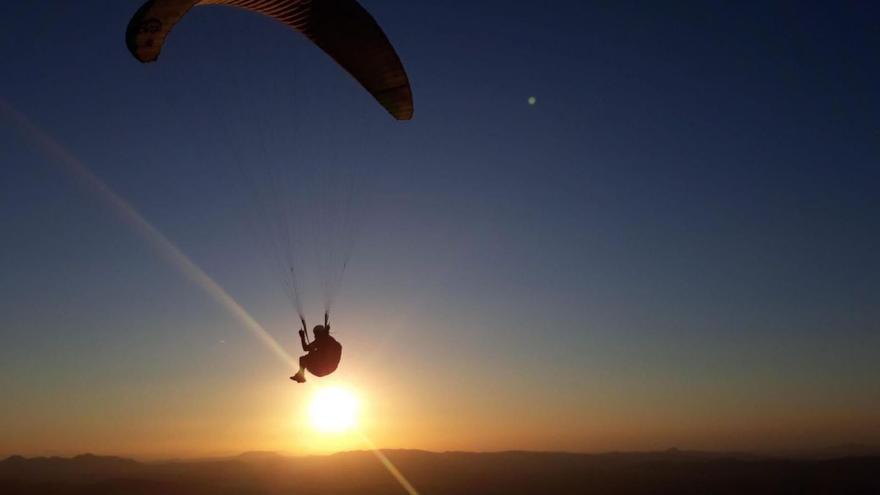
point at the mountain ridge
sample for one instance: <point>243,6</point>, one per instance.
<point>454,472</point>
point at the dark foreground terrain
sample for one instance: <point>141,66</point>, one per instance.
<point>672,472</point>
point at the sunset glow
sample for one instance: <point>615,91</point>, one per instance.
<point>333,410</point>
<point>677,251</point>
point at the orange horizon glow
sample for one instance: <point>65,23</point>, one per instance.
<point>438,405</point>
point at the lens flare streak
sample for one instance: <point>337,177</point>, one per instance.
<point>404,483</point>
<point>163,245</point>
<point>166,248</point>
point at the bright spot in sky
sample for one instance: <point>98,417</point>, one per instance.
<point>333,410</point>
<point>532,100</point>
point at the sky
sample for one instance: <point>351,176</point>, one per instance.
<point>676,245</point>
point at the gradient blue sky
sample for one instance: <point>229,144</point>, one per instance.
<point>677,245</point>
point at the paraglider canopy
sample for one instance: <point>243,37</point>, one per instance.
<point>341,28</point>
<point>314,210</point>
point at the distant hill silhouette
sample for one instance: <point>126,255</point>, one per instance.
<point>672,472</point>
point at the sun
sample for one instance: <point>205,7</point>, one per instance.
<point>333,410</point>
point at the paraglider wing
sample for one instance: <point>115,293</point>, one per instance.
<point>341,28</point>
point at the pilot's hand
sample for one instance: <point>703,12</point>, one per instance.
<point>302,333</point>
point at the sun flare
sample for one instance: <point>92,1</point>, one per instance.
<point>333,410</point>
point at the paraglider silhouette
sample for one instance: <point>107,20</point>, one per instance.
<point>324,353</point>
<point>347,33</point>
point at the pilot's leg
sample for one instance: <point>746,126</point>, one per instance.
<point>300,376</point>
